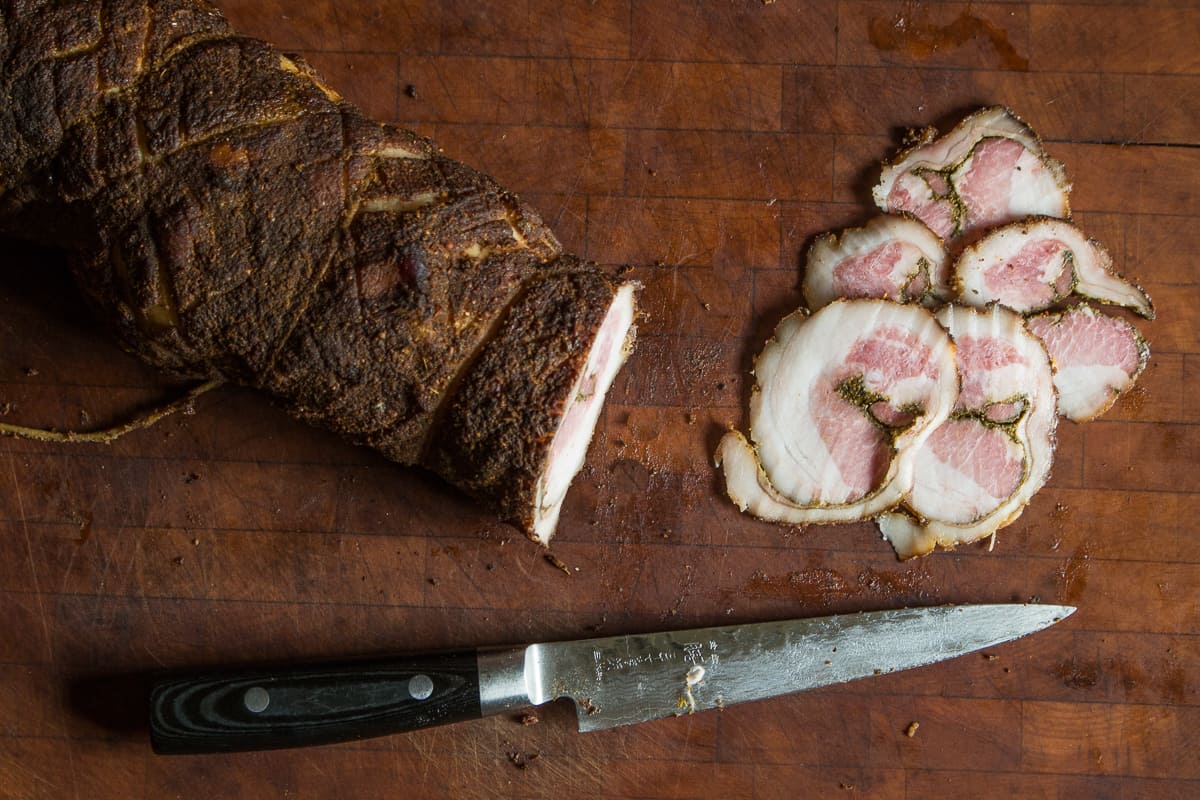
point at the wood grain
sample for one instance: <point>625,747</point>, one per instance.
<point>703,144</point>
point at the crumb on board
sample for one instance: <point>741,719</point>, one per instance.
<point>529,718</point>
<point>522,760</point>
<point>911,730</point>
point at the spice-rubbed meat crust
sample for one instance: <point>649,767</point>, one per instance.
<point>233,217</point>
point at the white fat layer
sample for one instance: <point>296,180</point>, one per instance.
<point>958,499</point>
<point>569,446</point>
<point>1087,391</point>
<point>1034,433</point>
<point>751,491</point>
<point>398,153</point>
<point>906,536</point>
<point>789,474</point>
<point>1035,189</point>
<point>830,250</point>
<point>1095,280</point>
<point>396,204</point>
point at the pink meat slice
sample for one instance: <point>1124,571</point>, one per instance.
<point>918,194</point>
<point>869,273</point>
<point>966,470</point>
<point>976,471</point>
<point>893,257</point>
<point>859,451</point>
<point>1036,276</point>
<point>989,170</point>
<point>828,388</point>
<point>1030,266</point>
<point>1096,357</point>
<point>986,183</point>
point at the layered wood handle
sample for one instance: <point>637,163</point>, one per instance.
<point>258,709</point>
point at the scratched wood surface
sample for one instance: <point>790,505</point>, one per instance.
<point>704,143</point>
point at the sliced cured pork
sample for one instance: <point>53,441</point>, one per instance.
<point>989,170</point>
<point>892,257</point>
<point>1030,266</point>
<point>940,427</point>
<point>976,472</point>
<point>1096,358</point>
<point>843,399</point>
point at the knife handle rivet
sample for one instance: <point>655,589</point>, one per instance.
<point>420,687</point>
<point>256,699</point>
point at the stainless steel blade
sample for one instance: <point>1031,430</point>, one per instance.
<point>622,680</point>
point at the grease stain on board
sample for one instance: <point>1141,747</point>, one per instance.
<point>903,583</point>
<point>1133,402</point>
<point>922,40</point>
<point>1073,575</point>
<point>816,585</point>
<point>1166,681</point>
<point>1077,674</point>
<point>1131,679</point>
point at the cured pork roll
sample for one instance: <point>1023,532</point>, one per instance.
<point>892,257</point>
<point>989,170</point>
<point>842,400</point>
<point>976,471</point>
<point>232,217</point>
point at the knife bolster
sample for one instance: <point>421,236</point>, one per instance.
<point>503,680</point>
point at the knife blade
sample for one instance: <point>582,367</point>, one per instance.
<point>613,681</point>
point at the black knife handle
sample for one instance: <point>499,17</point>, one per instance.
<point>264,709</point>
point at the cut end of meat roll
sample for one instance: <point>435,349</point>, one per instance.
<point>989,170</point>
<point>568,448</point>
<point>516,430</point>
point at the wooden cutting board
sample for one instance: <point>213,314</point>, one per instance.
<point>704,143</point>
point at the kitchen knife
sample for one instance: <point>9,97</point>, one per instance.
<point>616,680</point>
